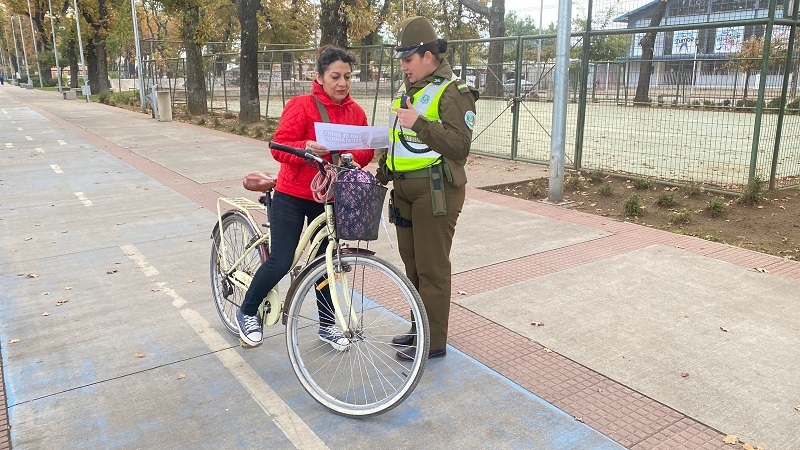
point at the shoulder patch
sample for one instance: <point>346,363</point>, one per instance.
<point>462,87</point>
<point>469,119</point>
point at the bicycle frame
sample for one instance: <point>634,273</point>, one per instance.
<point>311,239</point>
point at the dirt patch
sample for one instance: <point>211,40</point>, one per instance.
<point>769,224</point>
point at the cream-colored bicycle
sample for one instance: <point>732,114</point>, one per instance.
<point>372,300</point>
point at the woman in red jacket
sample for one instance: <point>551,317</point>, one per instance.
<point>293,203</point>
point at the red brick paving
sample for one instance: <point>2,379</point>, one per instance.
<point>629,417</point>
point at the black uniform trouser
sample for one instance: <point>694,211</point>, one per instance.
<point>425,247</point>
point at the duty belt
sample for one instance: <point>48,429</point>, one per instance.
<point>420,173</point>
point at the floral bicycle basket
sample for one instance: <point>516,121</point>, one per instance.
<point>358,205</point>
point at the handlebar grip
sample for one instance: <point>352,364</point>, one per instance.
<point>296,151</point>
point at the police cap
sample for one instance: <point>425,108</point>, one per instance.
<point>412,33</point>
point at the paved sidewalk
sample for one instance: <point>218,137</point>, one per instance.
<point>118,206</point>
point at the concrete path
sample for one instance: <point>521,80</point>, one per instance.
<point>109,337</point>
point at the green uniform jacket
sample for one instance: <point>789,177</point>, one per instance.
<point>451,137</point>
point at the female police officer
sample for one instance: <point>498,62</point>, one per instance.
<point>431,132</point>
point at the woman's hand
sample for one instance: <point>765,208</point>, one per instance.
<point>406,116</point>
<point>317,148</point>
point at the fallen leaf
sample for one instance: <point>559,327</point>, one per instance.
<point>181,376</point>
<point>61,302</point>
<point>579,419</point>
<point>28,238</point>
<point>32,275</point>
<point>14,341</point>
<point>139,355</point>
<point>190,281</point>
<point>462,293</point>
<point>731,439</point>
<point>747,446</point>
<point>67,288</point>
<point>724,329</point>
<point>111,271</point>
<point>45,313</point>
<point>797,408</point>
<point>537,324</point>
<point>684,374</point>
<point>547,350</point>
<point>45,293</point>
<point>762,270</point>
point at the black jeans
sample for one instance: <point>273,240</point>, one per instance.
<point>288,214</point>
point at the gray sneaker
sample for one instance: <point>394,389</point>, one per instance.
<point>249,328</point>
<point>334,336</point>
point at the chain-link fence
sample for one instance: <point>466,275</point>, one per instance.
<point>719,107</point>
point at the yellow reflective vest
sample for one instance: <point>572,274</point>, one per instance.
<point>419,155</point>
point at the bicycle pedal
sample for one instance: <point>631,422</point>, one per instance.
<point>245,345</point>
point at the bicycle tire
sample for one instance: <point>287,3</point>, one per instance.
<point>366,379</point>
<point>238,232</point>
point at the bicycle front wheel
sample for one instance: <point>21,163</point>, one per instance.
<point>365,379</point>
<point>237,234</point>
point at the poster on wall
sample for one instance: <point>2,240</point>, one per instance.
<point>684,42</point>
<point>728,40</point>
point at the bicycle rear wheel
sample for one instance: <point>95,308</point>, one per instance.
<point>365,379</point>
<point>237,233</point>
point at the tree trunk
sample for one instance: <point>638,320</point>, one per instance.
<point>648,43</point>
<point>333,22</point>
<point>249,105</point>
<point>746,85</point>
<point>195,74</point>
<point>72,57</point>
<point>497,28</point>
<point>98,66</point>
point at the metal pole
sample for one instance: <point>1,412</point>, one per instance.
<point>539,42</point>
<point>35,46</point>
<point>138,55</point>
<point>55,48</point>
<point>29,84</point>
<point>86,90</point>
<point>16,50</point>
<point>560,97</point>
<point>762,84</point>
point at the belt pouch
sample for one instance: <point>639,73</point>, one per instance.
<point>438,200</point>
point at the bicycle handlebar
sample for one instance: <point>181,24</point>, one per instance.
<point>297,152</point>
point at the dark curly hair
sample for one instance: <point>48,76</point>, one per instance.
<point>329,54</point>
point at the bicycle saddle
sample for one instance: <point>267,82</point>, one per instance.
<point>259,181</point>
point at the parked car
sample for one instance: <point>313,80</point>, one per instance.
<point>525,86</point>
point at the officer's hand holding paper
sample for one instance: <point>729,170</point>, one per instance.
<point>347,137</point>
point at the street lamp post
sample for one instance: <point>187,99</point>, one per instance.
<point>86,90</point>
<point>55,48</point>
<point>16,50</point>
<point>29,85</point>
<point>138,55</point>
<point>35,46</point>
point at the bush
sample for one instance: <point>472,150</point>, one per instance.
<point>682,216</point>
<point>716,206</point>
<point>666,200</point>
<point>693,189</point>
<point>633,206</point>
<point>753,192</point>
<point>575,183</point>
<point>642,183</point>
<point>606,189</point>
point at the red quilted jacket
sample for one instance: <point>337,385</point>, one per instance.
<point>297,127</point>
